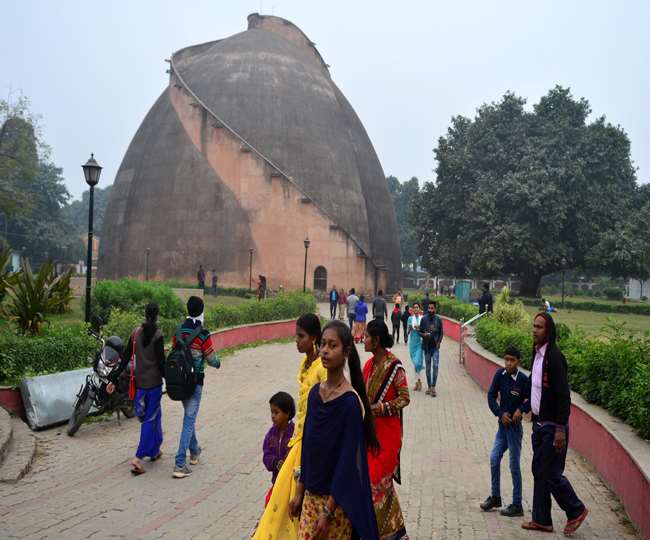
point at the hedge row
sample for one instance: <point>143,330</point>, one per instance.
<point>133,295</point>
<point>58,348</point>
<point>614,374</point>
<point>283,306</point>
<point>449,307</point>
<point>586,305</point>
<point>241,292</point>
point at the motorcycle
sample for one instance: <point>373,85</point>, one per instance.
<point>94,391</point>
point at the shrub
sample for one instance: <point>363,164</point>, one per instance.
<point>121,323</point>
<point>56,349</point>
<point>133,295</point>
<point>283,306</point>
<point>33,296</point>
<point>496,337</point>
<point>511,312</point>
<point>449,307</point>
<point>614,293</point>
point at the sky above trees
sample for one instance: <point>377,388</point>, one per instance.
<point>92,70</point>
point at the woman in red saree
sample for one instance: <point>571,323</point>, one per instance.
<point>388,393</point>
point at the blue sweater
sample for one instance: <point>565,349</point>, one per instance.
<point>513,394</point>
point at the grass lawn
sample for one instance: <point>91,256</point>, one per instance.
<point>556,300</point>
<point>593,322</point>
<point>223,300</point>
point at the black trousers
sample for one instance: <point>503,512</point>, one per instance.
<point>396,332</point>
<point>549,479</point>
<point>351,320</point>
<point>406,337</point>
<point>333,304</point>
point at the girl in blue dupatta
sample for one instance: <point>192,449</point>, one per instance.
<point>333,496</point>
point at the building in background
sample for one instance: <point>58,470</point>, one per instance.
<point>253,146</point>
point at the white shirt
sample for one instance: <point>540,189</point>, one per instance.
<point>536,379</point>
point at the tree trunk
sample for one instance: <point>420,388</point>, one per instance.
<point>530,285</point>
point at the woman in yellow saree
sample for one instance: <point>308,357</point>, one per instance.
<point>275,523</point>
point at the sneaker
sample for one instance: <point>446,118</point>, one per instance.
<point>513,510</point>
<point>491,503</point>
<point>181,472</point>
<point>428,391</point>
<point>194,460</point>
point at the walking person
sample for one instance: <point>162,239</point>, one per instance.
<point>432,333</point>
<point>214,282</point>
<point>261,287</point>
<point>145,351</point>
<point>425,302</point>
<point>396,322</point>
<point>388,394</point>
<point>405,319</point>
<point>334,300</point>
<point>508,401</point>
<point>485,301</point>
<point>379,308</point>
<point>415,344</point>
<point>352,304</point>
<point>360,313</point>
<point>202,349</point>
<point>276,441</point>
<point>200,277</point>
<point>343,305</point>
<point>276,521</point>
<point>550,403</point>
<point>333,497</point>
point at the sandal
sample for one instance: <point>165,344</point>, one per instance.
<point>573,524</point>
<point>156,457</point>
<point>532,526</point>
<point>137,471</point>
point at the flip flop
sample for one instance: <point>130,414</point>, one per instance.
<point>573,524</point>
<point>137,471</point>
<point>157,457</point>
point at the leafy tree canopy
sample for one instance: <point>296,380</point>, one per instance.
<point>404,196</point>
<point>518,191</point>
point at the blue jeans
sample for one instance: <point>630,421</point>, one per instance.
<point>432,361</point>
<point>508,438</point>
<point>188,433</point>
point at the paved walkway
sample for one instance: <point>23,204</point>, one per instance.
<point>81,487</point>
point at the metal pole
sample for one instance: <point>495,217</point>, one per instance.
<point>250,272</point>
<point>89,262</point>
<point>460,341</point>
<point>304,277</point>
<point>563,288</point>
<point>146,264</point>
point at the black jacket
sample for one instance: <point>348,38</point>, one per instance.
<point>555,404</point>
<point>485,302</point>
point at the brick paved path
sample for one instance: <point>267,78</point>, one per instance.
<point>80,487</point>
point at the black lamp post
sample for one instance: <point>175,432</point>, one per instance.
<point>250,269</point>
<point>92,170</point>
<point>146,264</point>
<point>304,277</point>
<point>563,272</point>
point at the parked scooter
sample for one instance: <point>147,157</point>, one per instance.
<point>93,392</point>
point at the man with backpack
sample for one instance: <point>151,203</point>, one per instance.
<point>184,377</point>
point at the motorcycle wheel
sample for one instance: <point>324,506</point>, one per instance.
<point>128,410</point>
<point>81,408</point>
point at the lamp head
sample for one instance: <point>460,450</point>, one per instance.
<point>92,170</point>
<point>307,242</point>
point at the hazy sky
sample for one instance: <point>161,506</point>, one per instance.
<point>93,69</point>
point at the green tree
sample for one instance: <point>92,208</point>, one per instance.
<point>18,156</point>
<point>77,211</point>
<point>518,191</point>
<point>404,196</point>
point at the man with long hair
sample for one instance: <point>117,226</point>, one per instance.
<point>550,403</point>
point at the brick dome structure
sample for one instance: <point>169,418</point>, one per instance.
<point>252,145</point>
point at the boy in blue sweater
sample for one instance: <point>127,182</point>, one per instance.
<point>511,387</point>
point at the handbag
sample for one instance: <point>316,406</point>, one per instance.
<point>132,388</point>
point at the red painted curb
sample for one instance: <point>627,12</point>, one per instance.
<point>241,335</point>
<point>12,401</point>
<point>589,437</point>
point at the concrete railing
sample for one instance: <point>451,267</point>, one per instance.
<point>621,457</point>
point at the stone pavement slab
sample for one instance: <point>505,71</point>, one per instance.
<point>81,487</point>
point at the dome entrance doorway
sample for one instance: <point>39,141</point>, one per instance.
<point>320,279</point>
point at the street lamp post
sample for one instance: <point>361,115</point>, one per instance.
<point>563,273</point>
<point>146,264</point>
<point>304,277</point>
<point>92,170</point>
<point>250,269</point>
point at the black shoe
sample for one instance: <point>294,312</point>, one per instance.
<point>513,510</point>
<point>491,503</point>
